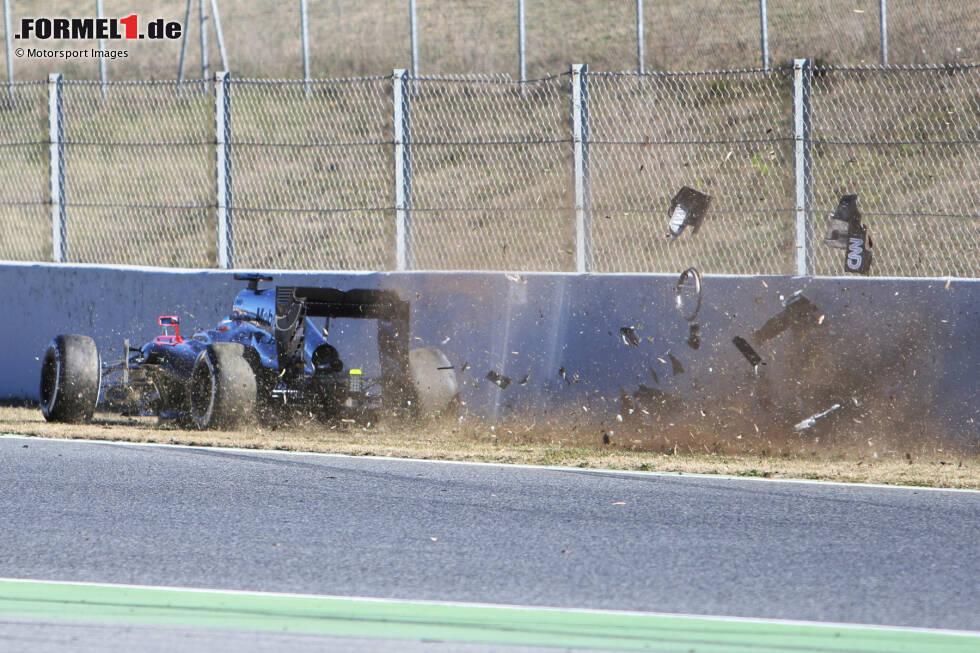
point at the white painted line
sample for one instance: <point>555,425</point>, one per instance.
<point>579,470</point>
<point>504,606</point>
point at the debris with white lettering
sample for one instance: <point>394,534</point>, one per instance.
<point>687,209</point>
<point>846,232</point>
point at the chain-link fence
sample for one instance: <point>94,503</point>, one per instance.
<point>482,36</point>
<point>138,181</point>
<point>908,142</point>
<point>25,227</point>
<point>572,172</point>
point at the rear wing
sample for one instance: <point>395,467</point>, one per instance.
<point>295,303</point>
<point>331,302</point>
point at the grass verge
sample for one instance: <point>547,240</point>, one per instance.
<point>474,442</point>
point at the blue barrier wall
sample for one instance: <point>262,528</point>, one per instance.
<point>901,355</point>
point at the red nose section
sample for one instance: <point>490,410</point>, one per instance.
<point>167,338</point>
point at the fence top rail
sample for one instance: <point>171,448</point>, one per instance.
<point>687,73</point>
<point>507,79</point>
<point>917,68</point>
<point>496,78</point>
<point>141,82</point>
<point>259,81</point>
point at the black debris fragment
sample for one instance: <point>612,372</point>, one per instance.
<point>675,365</point>
<point>693,337</point>
<point>465,367</point>
<point>446,367</point>
<point>647,395</point>
<point>563,375</point>
<point>653,373</point>
<point>630,339</point>
<point>527,377</point>
<point>840,222</point>
<point>626,404</point>
<point>750,354</point>
<point>846,232</point>
<point>799,311</point>
<point>499,380</point>
<point>687,209</point>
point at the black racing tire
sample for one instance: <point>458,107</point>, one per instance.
<point>71,373</point>
<point>221,391</point>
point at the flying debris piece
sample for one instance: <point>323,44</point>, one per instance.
<point>798,311</point>
<point>675,365</point>
<point>687,209</point>
<point>812,419</point>
<point>750,354</point>
<point>859,246</point>
<point>498,379</point>
<point>650,397</point>
<point>693,338</point>
<point>687,294</point>
<point>526,378</point>
<point>653,373</point>
<point>563,375</point>
<point>465,367</point>
<point>840,222</point>
<point>630,339</point>
<point>846,232</point>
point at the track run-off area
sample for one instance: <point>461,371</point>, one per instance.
<point>237,541</point>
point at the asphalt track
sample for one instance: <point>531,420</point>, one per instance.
<point>488,534</point>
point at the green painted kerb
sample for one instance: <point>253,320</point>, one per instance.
<point>449,623</point>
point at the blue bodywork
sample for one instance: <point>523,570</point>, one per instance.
<point>288,353</point>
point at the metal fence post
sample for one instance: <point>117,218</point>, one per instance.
<point>404,254</point>
<point>100,13</point>
<point>56,131</point>
<point>580,140</point>
<point>216,19</point>
<point>10,51</point>
<point>764,33</point>
<point>640,57</point>
<point>803,166</point>
<point>204,39</point>
<point>413,28</point>
<point>304,26</point>
<point>222,170</point>
<point>521,43</point>
<point>883,19</point>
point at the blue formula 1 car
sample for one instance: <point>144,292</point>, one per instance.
<point>265,359</point>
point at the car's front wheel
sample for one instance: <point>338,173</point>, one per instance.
<point>221,391</point>
<point>70,377</point>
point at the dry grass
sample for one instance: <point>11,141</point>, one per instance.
<point>467,441</point>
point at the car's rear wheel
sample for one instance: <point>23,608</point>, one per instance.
<point>70,377</point>
<point>433,380</point>
<point>221,391</point>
